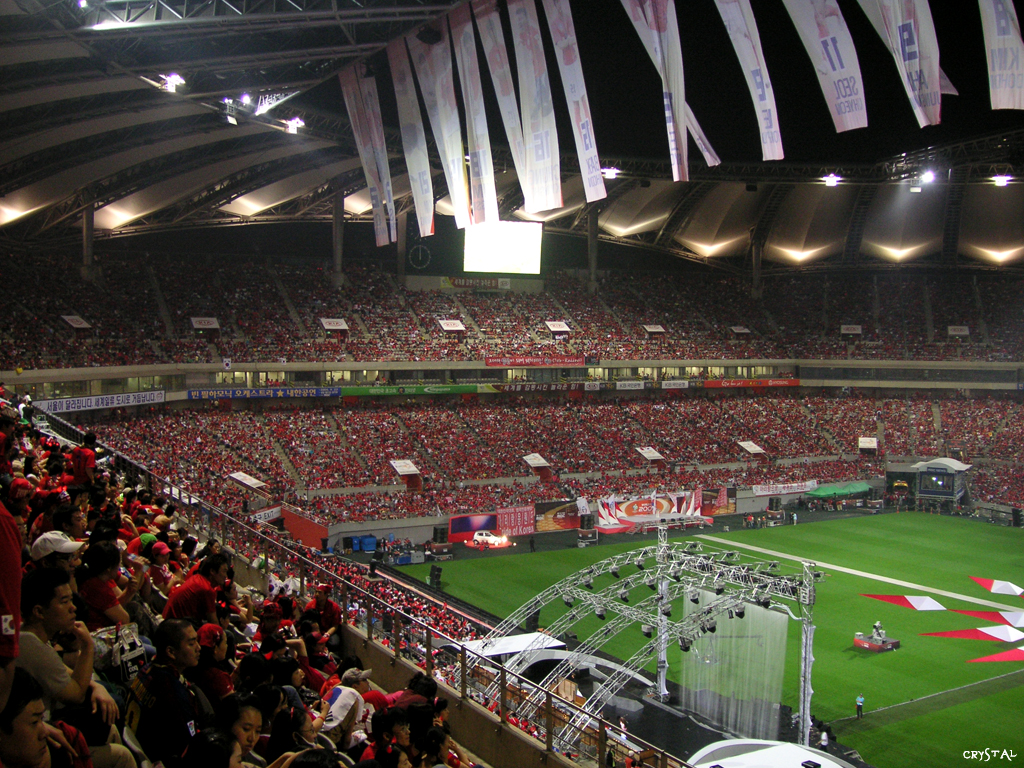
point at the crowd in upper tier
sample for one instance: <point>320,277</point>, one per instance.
<point>271,312</point>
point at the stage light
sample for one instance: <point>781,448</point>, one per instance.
<point>647,630</point>
<point>719,589</point>
<point>588,582</point>
<point>928,177</point>
<point>294,124</point>
<point>1000,181</point>
<point>640,563</point>
<point>610,173</point>
<point>676,575</point>
<point>710,626</point>
<point>764,601</point>
<point>731,614</point>
<point>831,180</point>
<point>666,609</point>
<point>614,572</point>
<point>740,612</point>
<point>651,582</point>
<point>624,595</point>
<point>567,600</point>
<point>694,597</point>
<point>684,644</point>
<point>246,99</point>
<point>599,612</point>
<point>172,81</point>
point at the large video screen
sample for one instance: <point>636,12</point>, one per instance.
<point>507,247</point>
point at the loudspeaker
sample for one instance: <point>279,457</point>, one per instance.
<point>532,622</point>
<point>346,543</point>
<point>435,576</point>
<point>586,522</point>
<point>1018,522</point>
<point>440,534</point>
<point>323,544</point>
<point>373,568</point>
<point>774,503</point>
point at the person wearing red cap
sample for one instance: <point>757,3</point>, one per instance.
<point>207,675</point>
<point>159,572</point>
<point>330,617</point>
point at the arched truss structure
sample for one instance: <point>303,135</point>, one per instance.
<point>671,571</point>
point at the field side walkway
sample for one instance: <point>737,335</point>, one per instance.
<point>863,574</point>
<point>932,702</point>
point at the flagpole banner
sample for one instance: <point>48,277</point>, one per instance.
<point>563,33</point>
<point>1005,51</point>
<point>375,126</point>
<point>364,145</point>
<point>739,22</point>
<point>414,138</point>
<point>543,184</point>
<point>433,65</point>
<point>906,27</point>
<point>488,23</point>
<point>827,39</point>
<point>656,24</point>
<point>482,196</point>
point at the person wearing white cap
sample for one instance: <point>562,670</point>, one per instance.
<point>57,550</point>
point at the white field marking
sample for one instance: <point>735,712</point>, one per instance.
<point>863,574</point>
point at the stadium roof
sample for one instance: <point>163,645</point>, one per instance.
<point>86,119</point>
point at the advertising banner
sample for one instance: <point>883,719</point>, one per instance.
<point>542,185</point>
<point>629,385</point>
<point>576,386</point>
<point>738,383</point>
<point>462,527</point>
<point>535,361</point>
<point>95,402</point>
<point>556,515</point>
<point>780,489</point>
<point>739,23</point>
<point>1005,53</point>
<point>353,96</point>
<point>274,393</point>
<point>205,323</point>
<point>516,521</point>
<point>958,330</point>
<point>482,195</point>
<point>75,321</point>
<point>829,44</point>
<point>563,33</point>
<point>414,138</point>
<point>675,384</point>
<point>854,330</point>
<point>492,283</point>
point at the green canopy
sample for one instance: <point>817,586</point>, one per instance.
<point>835,490</point>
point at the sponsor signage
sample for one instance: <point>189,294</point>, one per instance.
<point>736,383</point>
<point>75,321</point>
<point>629,385</point>
<point>95,402</point>
<point>653,328</point>
<point>535,361</point>
<point>266,514</point>
<point>492,283</point>
<point>557,326</point>
<point>780,489</point>
<point>205,323</point>
<point>958,330</point>
<point>854,330</point>
<point>750,446</point>
<point>246,481</point>
<point>516,521</point>
<point>675,384</point>
<point>536,461</point>
<point>595,386</point>
<point>333,324</point>
<point>404,467</point>
<point>575,386</point>
<point>650,454</point>
<point>453,326</point>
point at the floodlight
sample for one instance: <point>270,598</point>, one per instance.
<point>666,609</point>
<point>624,595</point>
<point>614,572</point>
<point>1000,181</point>
<point>588,582</point>
<point>567,600</point>
<point>651,582</point>
<point>647,630</point>
<point>684,644</point>
<point>640,563</point>
<point>831,180</point>
<point>172,81</point>
<point>740,612</point>
<point>599,612</point>
<point>610,173</point>
<point>928,177</point>
<point>231,120</point>
<point>764,601</point>
<point>294,124</point>
<point>246,99</point>
<point>710,626</point>
<point>694,597</point>
<point>719,589</point>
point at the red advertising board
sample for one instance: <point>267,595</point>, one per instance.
<point>535,361</point>
<point>516,521</point>
<point>736,383</point>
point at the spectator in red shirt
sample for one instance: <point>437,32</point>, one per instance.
<point>98,587</point>
<point>196,599</point>
<point>330,616</point>
<point>211,679</point>
<point>83,461</point>
<point>10,599</point>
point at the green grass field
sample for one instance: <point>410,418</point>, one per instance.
<point>906,725</point>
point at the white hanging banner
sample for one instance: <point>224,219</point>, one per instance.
<point>655,22</point>
<point>710,156</point>
<point>375,126</point>
<point>364,144</point>
<point>414,138</point>
<point>542,187</point>
<point>827,39</point>
<point>488,23</point>
<point>433,64</point>
<point>906,27</point>
<point>739,22</point>
<point>482,195</point>
<point>563,33</point>
<point>1005,53</point>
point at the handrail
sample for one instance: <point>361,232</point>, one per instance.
<point>406,634</point>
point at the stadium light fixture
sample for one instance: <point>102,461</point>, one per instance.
<point>172,81</point>
<point>246,99</point>
<point>1000,181</point>
<point>610,173</point>
<point>928,177</point>
<point>294,124</point>
<point>831,180</point>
